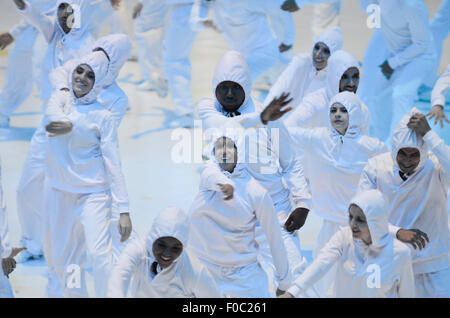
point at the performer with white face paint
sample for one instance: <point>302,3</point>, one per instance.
<point>410,58</point>
<point>23,62</point>
<point>307,72</point>
<point>224,216</point>
<point>334,160</point>
<point>149,24</point>
<point>414,178</point>
<point>66,40</point>
<point>85,183</point>
<point>160,266</point>
<point>370,263</point>
<point>342,75</point>
<point>274,164</point>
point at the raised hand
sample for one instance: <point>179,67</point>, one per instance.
<point>273,111</point>
<point>5,40</point>
<point>20,4</point>
<point>137,10</point>
<point>290,6</point>
<point>419,123</point>
<point>437,112</point>
<point>227,190</point>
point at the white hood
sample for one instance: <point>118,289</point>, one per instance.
<point>355,117</point>
<point>99,64</point>
<point>82,10</point>
<point>338,63</point>
<point>233,67</point>
<point>404,137</point>
<point>239,141</point>
<point>172,221</point>
<point>118,48</point>
<point>332,38</point>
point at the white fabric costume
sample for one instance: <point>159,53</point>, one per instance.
<point>418,203</point>
<point>5,248</point>
<point>186,277</point>
<point>334,163</point>
<point>313,110</point>
<point>222,232</point>
<point>441,87</point>
<point>381,269</point>
<point>301,77</point>
<point>84,183</point>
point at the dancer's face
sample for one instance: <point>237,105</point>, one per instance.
<point>358,224</point>
<point>339,118</point>
<point>349,80</point>
<point>321,53</point>
<point>66,16</point>
<point>408,159</point>
<point>83,79</point>
<point>226,153</point>
<point>230,95</point>
<point>166,249</point>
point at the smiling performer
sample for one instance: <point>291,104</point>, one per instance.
<point>370,263</point>
<point>334,159</point>
<point>85,183</point>
<point>307,72</point>
<point>160,266</point>
<point>415,178</point>
<point>224,216</point>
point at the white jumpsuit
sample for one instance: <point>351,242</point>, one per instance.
<point>418,203</point>
<point>5,248</point>
<point>186,277</point>
<point>300,77</point>
<point>85,188</point>
<point>61,48</point>
<point>409,41</point>
<point>333,163</point>
<point>382,269</point>
<point>222,232</point>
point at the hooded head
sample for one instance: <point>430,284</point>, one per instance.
<point>118,48</point>
<point>170,222</point>
<point>355,117</point>
<point>375,209</point>
<point>404,137</point>
<point>233,67</point>
<point>231,142</point>
<point>338,63</point>
<point>331,40</point>
<point>98,63</point>
<point>79,17</point>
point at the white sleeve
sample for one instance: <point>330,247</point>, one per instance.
<point>119,108</point>
<point>281,21</point>
<point>55,106</point>
<point>421,37</point>
<point>442,152</point>
<point>305,114</point>
<point>265,213</point>
<point>18,29</point>
<point>368,179</point>
<point>39,20</point>
<point>292,169</point>
<point>5,247</point>
<point>441,87</point>
<point>327,257</point>
<point>122,272</point>
<point>211,176</point>
<point>60,76</point>
<point>109,145</point>
<point>199,14</point>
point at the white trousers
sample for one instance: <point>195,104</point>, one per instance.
<point>5,286</point>
<point>149,48</point>
<point>30,193</point>
<point>75,224</point>
<point>433,285</point>
<point>177,45</point>
<point>325,286</point>
<point>395,97</point>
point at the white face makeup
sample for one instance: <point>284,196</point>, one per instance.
<point>339,118</point>
<point>83,79</point>
<point>358,224</point>
<point>226,153</point>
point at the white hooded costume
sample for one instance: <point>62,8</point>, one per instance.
<point>84,184</point>
<point>381,269</point>
<point>441,87</point>
<point>222,232</point>
<point>186,277</point>
<point>410,53</point>
<point>5,248</point>
<point>24,61</point>
<point>334,163</point>
<point>418,203</point>
<point>274,165</point>
<point>61,48</point>
<point>313,110</point>
<point>301,77</point>
<point>245,28</point>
